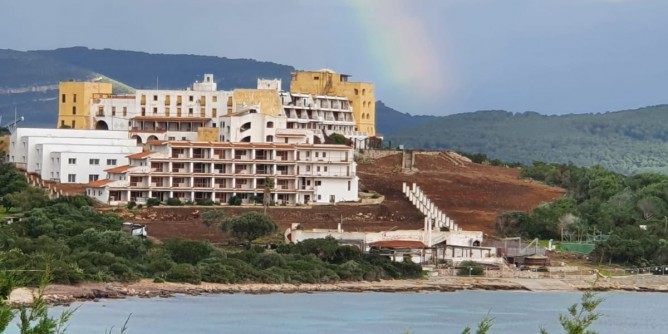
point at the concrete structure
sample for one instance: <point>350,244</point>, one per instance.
<point>422,246</point>
<point>153,114</point>
<point>327,82</point>
<point>69,156</point>
<point>202,113</point>
<point>190,171</point>
<point>434,217</point>
<point>74,103</point>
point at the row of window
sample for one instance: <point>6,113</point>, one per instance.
<point>72,178</point>
<point>95,162</point>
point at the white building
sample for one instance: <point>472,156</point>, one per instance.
<point>69,156</point>
<point>191,171</point>
<point>163,114</point>
<point>422,246</point>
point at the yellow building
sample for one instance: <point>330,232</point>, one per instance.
<point>266,100</point>
<point>74,103</point>
<point>327,82</point>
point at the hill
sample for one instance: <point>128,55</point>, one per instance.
<point>629,141</point>
<point>29,80</point>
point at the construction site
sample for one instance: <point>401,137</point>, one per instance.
<point>471,194</point>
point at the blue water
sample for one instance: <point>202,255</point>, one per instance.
<point>420,313</point>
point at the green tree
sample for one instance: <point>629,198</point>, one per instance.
<point>249,226</point>
<point>212,218</point>
<point>25,199</point>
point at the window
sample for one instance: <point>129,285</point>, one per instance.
<point>94,161</point>
<point>113,111</point>
<point>316,78</point>
<point>75,98</point>
<point>71,178</point>
<point>316,154</point>
<point>318,183</point>
<point>348,185</point>
<point>214,98</point>
<point>72,161</point>
<point>74,110</point>
<point>62,98</point>
<point>318,169</point>
<point>270,125</point>
<point>125,111</point>
<point>324,154</point>
<point>357,91</point>
<point>325,168</point>
<point>190,98</point>
<point>62,123</point>
<point>74,124</point>
<point>111,162</point>
<point>155,97</point>
<point>93,177</point>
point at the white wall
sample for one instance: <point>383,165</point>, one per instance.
<point>338,188</point>
<point>82,168</point>
<point>23,150</point>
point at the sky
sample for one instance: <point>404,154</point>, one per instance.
<point>425,57</point>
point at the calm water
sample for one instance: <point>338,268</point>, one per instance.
<point>421,313</point>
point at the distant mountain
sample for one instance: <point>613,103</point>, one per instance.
<point>145,70</point>
<point>390,121</point>
<point>628,141</point>
<point>29,80</point>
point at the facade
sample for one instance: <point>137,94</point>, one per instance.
<point>327,82</point>
<point>69,156</point>
<point>164,114</point>
<point>74,103</point>
<point>191,171</point>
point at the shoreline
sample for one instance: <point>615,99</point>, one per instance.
<point>56,294</point>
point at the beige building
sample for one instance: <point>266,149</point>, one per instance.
<point>328,82</point>
<point>74,103</point>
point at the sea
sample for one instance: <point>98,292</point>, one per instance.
<point>393,313</point>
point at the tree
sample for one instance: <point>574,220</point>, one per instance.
<point>211,218</point>
<point>248,226</point>
<point>266,196</point>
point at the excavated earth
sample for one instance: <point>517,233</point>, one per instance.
<point>471,194</point>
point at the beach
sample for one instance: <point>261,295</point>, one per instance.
<point>66,294</point>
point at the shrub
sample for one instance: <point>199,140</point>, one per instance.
<point>152,202</point>
<point>234,200</point>
<point>204,201</point>
<point>140,206</point>
<point>184,272</point>
<point>172,201</point>
<point>131,205</point>
<point>467,268</point>
<point>187,251</point>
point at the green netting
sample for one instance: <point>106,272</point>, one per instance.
<point>577,248</point>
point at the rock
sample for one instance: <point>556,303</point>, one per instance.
<point>21,296</point>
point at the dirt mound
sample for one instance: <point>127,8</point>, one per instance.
<point>472,194</point>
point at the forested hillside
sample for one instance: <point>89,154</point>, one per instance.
<point>629,141</point>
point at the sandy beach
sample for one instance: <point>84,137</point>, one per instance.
<point>65,294</point>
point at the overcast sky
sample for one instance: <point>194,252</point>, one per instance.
<point>425,56</point>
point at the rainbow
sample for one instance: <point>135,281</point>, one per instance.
<point>405,54</point>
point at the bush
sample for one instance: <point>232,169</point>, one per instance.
<point>234,200</point>
<point>204,201</point>
<point>187,251</point>
<point>152,202</point>
<point>132,204</point>
<point>184,272</point>
<point>172,201</point>
<point>467,268</point>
